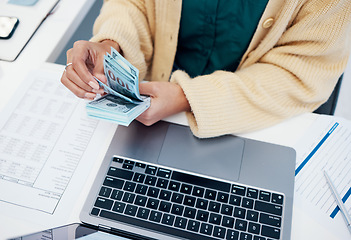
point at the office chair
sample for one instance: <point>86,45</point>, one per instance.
<point>329,106</point>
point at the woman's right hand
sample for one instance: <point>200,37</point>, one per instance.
<point>84,61</point>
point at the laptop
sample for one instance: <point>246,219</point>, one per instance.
<point>161,182</point>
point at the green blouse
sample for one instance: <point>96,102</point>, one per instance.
<point>214,34</point>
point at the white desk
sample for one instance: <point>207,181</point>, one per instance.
<point>47,44</point>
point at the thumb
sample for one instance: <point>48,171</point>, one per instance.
<point>147,88</point>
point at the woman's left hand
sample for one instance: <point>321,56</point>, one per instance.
<point>166,99</point>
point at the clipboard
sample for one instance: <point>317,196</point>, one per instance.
<point>30,18</point>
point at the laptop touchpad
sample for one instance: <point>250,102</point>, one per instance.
<point>218,157</point>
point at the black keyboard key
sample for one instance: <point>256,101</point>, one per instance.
<point>155,216</point>
<point>140,165</point>
<point>219,232</point>
<point>143,213</point>
<point>180,222</point>
<point>129,186</point>
<point>227,209</point>
<point>214,206</point>
<point>247,203</point>
<point>174,186</point>
<point>113,182</point>
<point>252,193</point>
<point>177,209</point>
<point>228,222</point>
<point>232,235</point>
<point>270,220</point>
<point>150,180</point>
<point>131,210</point>
<point>189,201</point>
<point>215,218</point>
<point>117,194</point>
<point>259,238</point>
<point>270,232</point>
<point>202,203</point>
<point>235,200</point>
<point>268,208</point>
<point>198,191</point>
<point>222,197</point>
<point>151,170</point>
<point>129,162</point>
<point>128,166</point>
<point>189,212</point>
<point>165,173</point>
<point>117,159</point>
<point>186,188</point>
<point>165,206</point>
<point>177,197</point>
<point>139,177</point>
<point>206,229</point>
<point>252,215</point>
<point>105,192</point>
<point>264,196</point>
<point>162,183</point>
<point>202,215</point>
<point>193,225</point>
<point>128,197</point>
<point>165,195</point>
<point>168,219</point>
<point>240,225</point>
<point>119,207</point>
<point>245,236</point>
<point>210,194</point>
<point>141,189</point>
<point>152,203</point>
<point>238,190</point>
<point>153,192</point>
<point>239,212</point>
<point>140,200</point>
<point>277,198</point>
<point>103,203</point>
<point>95,211</point>
<point>200,181</point>
<point>120,173</point>
<point>254,228</point>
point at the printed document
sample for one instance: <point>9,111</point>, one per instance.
<point>48,148</point>
<point>326,146</point>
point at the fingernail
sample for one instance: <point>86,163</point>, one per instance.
<point>94,85</point>
<point>90,95</point>
<point>98,91</point>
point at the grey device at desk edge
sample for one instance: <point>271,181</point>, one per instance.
<point>232,158</point>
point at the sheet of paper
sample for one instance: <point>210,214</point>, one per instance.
<point>48,147</point>
<point>326,146</point>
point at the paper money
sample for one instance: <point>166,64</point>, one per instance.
<point>123,102</point>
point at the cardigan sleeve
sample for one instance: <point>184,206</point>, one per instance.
<point>295,76</point>
<point>125,21</point>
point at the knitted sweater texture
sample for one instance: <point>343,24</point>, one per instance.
<point>289,68</point>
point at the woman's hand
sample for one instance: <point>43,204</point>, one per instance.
<point>166,99</point>
<point>84,61</point>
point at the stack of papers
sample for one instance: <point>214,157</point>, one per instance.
<point>123,102</point>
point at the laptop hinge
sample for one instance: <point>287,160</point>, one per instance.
<point>104,228</point>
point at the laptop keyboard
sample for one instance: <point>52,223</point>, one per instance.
<point>187,205</point>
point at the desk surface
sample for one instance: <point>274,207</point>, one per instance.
<point>46,45</point>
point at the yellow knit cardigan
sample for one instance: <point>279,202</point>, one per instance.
<point>290,67</point>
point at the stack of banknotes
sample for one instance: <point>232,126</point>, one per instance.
<point>123,102</point>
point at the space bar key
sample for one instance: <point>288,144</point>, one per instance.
<point>201,181</point>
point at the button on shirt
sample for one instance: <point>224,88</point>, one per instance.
<point>214,34</point>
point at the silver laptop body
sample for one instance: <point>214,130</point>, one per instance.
<point>229,158</point>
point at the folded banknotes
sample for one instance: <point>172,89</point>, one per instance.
<point>123,102</point>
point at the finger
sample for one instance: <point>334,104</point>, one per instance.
<point>72,76</point>
<point>75,89</point>
<point>147,88</point>
<point>83,62</point>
